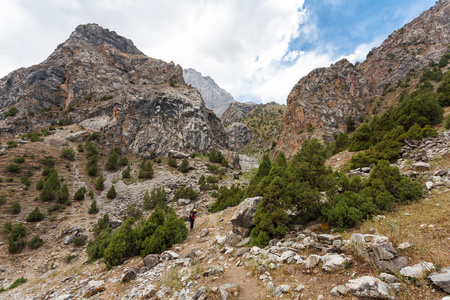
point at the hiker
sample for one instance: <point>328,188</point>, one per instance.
<point>192,217</point>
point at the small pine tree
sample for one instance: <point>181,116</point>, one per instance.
<point>111,193</point>
<point>93,209</point>
<point>172,162</point>
<point>99,185</point>
<point>146,170</point>
<point>112,162</point>
<point>147,203</point>
<point>15,208</point>
<point>79,194</point>
<point>126,173</point>
<point>35,216</point>
<point>63,195</point>
<point>36,242</point>
<point>184,167</point>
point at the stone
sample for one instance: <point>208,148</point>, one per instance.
<point>312,261</point>
<point>270,287</point>
<point>169,255</point>
<point>441,172</point>
<point>128,275</point>
<point>242,219</point>
<point>64,297</point>
<point>285,288</point>
<point>441,279</point>
<point>333,262</point>
<point>334,292</point>
<point>388,278</point>
<point>224,290</point>
<point>371,288</point>
<point>94,287</point>
<point>429,185</point>
<point>200,292</point>
<point>244,241</point>
<point>69,239</point>
<point>204,232</point>
<point>151,260</point>
<point>404,246</point>
<point>421,166</point>
<point>299,288</point>
<point>178,154</point>
<point>342,289</point>
<point>286,255</point>
<point>241,251</point>
<point>417,271</point>
<point>184,202</point>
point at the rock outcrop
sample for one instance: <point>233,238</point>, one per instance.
<point>239,135</point>
<point>327,97</point>
<point>103,81</point>
<point>236,111</point>
<point>242,219</point>
<point>215,98</point>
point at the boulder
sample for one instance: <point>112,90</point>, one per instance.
<point>225,290</point>
<point>378,250</point>
<point>286,255</point>
<point>169,255</point>
<point>368,287</point>
<point>417,271</point>
<point>178,154</point>
<point>388,278</point>
<point>151,260</point>
<point>232,158</point>
<point>333,262</point>
<point>128,275</point>
<point>242,219</point>
<point>312,261</point>
<point>204,232</point>
<point>441,279</point>
<point>421,166</point>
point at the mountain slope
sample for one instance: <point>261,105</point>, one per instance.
<point>327,97</point>
<point>101,79</point>
<point>216,98</point>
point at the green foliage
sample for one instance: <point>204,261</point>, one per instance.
<point>79,241</point>
<point>158,198</point>
<point>35,216</point>
<point>92,158</point>
<point>111,193</point>
<point>19,159</point>
<point>184,167</point>
<point>11,144</point>
<point>350,124</point>
<point>94,136</point>
<point>263,171</point>
<point>79,194</point>
<point>35,242</point>
<point>132,211</point>
<point>68,153</point>
<point>2,199</point>
<point>93,209</point>
<point>16,238</point>
<point>7,226</point>
<point>17,282</point>
<point>15,208</point>
<point>96,248</point>
<point>447,123</point>
<point>26,180</point>
<point>48,162</point>
<point>123,245</point>
<point>63,195</point>
<point>423,109</point>
<point>112,162</point>
<point>443,62</point>
<point>33,136</point>
<point>99,185</point>
<point>146,170</point>
<point>123,161</point>
<point>80,148</point>
<point>126,173</point>
<point>185,192</point>
<point>216,170</point>
<point>56,207</point>
<point>102,224</point>
<point>341,142</point>
<point>443,91</point>
<point>172,162</point>
<point>11,112</point>
<point>216,157</point>
<point>13,168</point>
<point>212,179</point>
<point>201,180</point>
<point>228,197</point>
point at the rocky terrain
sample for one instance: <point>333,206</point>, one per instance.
<point>236,111</point>
<point>327,97</point>
<point>103,81</point>
<point>215,98</point>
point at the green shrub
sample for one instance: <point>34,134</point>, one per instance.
<point>132,211</point>
<point>99,185</point>
<point>112,162</point>
<point>212,179</point>
<point>95,249</point>
<point>184,167</point>
<point>158,198</point>
<point>13,168</point>
<point>201,180</point>
<point>63,195</point>
<point>26,180</point>
<point>68,153</point>
<point>123,161</point>
<point>93,209</point>
<point>80,148</point>
<point>111,193</point>
<point>7,226</point>
<point>48,162</point>
<point>102,224</point>
<point>172,162</point>
<point>35,242</point>
<point>146,170</point>
<point>94,136</point>
<point>15,208</point>
<point>19,159</point>
<point>447,123</point>
<point>35,216</point>
<point>227,197</point>
<point>185,193</point>
<point>2,199</point>
<point>16,238</point>
<point>11,144</point>
<point>17,282</point>
<point>79,194</point>
<point>216,170</point>
<point>11,112</point>
<point>122,246</point>
<point>55,207</point>
<point>443,62</point>
<point>126,173</point>
<point>79,241</point>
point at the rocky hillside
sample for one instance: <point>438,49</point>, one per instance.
<point>103,81</point>
<point>327,97</point>
<point>236,111</point>
<point>215,98</point>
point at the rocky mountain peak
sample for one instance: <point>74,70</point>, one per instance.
<point>97,36</point>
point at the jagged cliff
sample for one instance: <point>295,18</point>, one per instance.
<point>215,98</point>
<point>236,111</point>
<point>321,102</point>
<point>102,80</point>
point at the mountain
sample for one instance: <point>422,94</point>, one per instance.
<point>215,98</point>
<point>236,111</point>
<point>321,102</point>
<point>102,81</point>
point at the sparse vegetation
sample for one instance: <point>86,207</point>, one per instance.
<point>35,216</point>
<point>68,153</point>
<point>35,242</point>
<point>111,193</point>
<point>93,209</point>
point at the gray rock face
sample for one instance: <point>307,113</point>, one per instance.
<point>236,111</point>
<point>134,101</point>
<point>333,262</point>
<point>442,279</point>
<point>216,98</point>
<point>239,135</point>
<point>378,250</point>
<point>368,287</point>
<point>242,219</point>
<point>417,271</point>
<point>151,260</point>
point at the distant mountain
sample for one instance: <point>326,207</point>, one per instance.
<point>215,98</point>
<point>236,111</point>
<point>321,102</point>
<point>102,81</point>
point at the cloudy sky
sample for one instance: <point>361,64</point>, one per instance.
<point>255,49</point>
